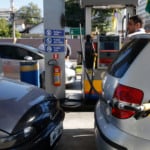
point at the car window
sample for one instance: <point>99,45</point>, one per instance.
<point>126,56</point>
<point>11,52</point>
<point>18,53</point>
<point>25,52</point>
<point>21,53</point>
<point>7,52</point>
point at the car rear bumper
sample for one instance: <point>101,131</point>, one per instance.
<point>102,131</point>
<point>109,137</point>
<point>44,140</point>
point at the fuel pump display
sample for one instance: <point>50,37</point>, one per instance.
<point>108,47</point>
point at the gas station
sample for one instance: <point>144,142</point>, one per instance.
<point>106,46</point>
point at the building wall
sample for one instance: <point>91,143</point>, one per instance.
<point>39,29</point>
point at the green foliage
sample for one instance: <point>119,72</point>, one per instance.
<point>6,29</point>
<point>74,14</point>
<point>31,14</point>
<point>18,34</point>
<point>102,19</point>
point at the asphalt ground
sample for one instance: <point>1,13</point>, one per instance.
<point>78,124</point>
<point>78,132</point>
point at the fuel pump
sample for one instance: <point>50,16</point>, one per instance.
<point>107,49</point>
<point>91,86</point>
<point>89,52</point>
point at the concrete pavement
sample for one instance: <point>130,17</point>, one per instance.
<point>78,132</point>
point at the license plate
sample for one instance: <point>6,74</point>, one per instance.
<point>56,133</point>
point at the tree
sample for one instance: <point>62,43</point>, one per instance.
<point>74,14</point>
<point>31,14</point>
<point>6,29</point>
<point>102,19</point>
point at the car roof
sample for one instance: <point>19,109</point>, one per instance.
<point>28,47</point>
<point>143,35</point>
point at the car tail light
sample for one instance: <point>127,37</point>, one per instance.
<point>128,95</point>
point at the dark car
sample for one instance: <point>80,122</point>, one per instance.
<point>29,116</point>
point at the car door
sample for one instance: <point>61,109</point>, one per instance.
<point>11,56</point>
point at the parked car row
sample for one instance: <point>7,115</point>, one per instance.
<point>30,116</point>
<point>122,119</point>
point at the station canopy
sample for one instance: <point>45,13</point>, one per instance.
<point>108,3</point>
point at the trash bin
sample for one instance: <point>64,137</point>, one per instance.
<point>29,72</point>
<point>79,58</point>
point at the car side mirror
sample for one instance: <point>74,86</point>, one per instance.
<point>28,58</point>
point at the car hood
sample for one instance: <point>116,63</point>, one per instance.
<point>15,99</point>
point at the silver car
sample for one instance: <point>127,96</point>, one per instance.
<point>12,55</point>
<point>121,121</point>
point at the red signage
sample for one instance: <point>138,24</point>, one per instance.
<point>55,56</point>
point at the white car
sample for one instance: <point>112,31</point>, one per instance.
<point>69,72</point>
<point>12,54</point>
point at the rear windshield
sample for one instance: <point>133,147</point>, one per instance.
<point>126,56</point>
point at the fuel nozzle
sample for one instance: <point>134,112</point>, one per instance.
<point>141,111</point>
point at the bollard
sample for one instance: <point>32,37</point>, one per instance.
<point>29,72</point>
